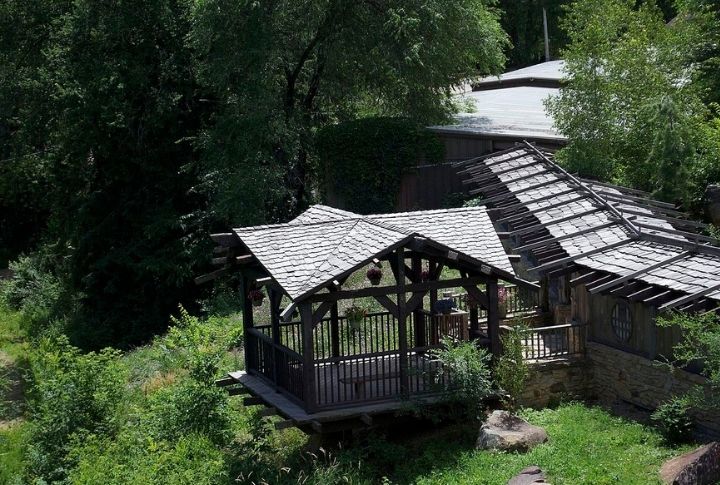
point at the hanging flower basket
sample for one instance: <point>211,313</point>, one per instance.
<point>374,275</point>
<point>424,275</point>
<point>355,316</point>
<point>257,297</point>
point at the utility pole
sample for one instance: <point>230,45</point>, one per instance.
<point>547,39</point>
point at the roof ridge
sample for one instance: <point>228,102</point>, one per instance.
<point>342,241</point>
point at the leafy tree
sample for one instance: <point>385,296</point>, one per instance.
<point>621,60</point>
<point>523,21</point>
<point>280,70</point>
<point>700,343</point>
<point>511,370</point>
<point>670,152</point>
<point>98,127</point>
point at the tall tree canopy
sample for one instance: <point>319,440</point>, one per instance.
<point>633,107</point>
<point>279,70</point>
<point>132,127</point>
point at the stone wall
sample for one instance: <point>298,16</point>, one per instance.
<point>553,381</point>
<point>617,375</point>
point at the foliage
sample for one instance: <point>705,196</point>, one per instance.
<point>512,371</point>
<point>467,365</point>
<point>73,395</point>
<point>632,109</point>
<point>137,459</point>
<point>13,441</point>
<point>355,312</point>
<point>587,446</point>
<point>362,161</point>
<point>673,420</point>
<point>523,21</point>
<point>700,343</point>
<point>36,292</point>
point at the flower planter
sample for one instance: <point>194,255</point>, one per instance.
<point>355,324</point>
<point>257,302</point>
<point>374,275</point>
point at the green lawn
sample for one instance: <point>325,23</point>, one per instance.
<point>586,445</point>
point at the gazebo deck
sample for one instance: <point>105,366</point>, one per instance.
<point>290,410</point>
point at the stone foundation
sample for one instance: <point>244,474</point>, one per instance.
<point>554,381</point>
<point>616,375</point>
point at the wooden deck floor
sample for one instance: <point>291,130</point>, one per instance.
<point>354,407</point>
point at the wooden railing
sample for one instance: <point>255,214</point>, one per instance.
<point>517,300</point>
<point>553,342</point>
<point>276,363</point>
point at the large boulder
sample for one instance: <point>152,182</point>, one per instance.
<point>528,476</point>
<point>712,203</point>
<point>699,467</point>
<point>505,431</point>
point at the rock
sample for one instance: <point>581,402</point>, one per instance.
<point>528,476</point>
<point>712,203</point>
<point>699,467</point>
<point>505,431</point>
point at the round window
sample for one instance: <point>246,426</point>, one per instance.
<point>622,321</point>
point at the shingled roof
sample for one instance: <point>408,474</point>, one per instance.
<point>324,243</point>
<point>613,234</point>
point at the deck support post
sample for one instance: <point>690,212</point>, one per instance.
<point>402,322</point>
<point>493,318</point>
<point>306,321</point>
<point>418,317</point>
<point>247,318</point>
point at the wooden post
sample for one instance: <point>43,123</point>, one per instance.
<point>402,322</point>
<point>275,298</point>
<point>335,330</point>
<point>493,317</point>
<point>418,317</point>
<point>250,358</point>
<point>432,267</point>
<point>474,320</point>
<point>306,321</point>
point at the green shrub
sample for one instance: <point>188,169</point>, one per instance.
<point>137,459</point>
<point>674,421</point>
<point>72,395</point>
<point>361,161</point>
<point>193,405</point>
<point>469,372</point>
<point>511,370</point>
<point>35,292</point>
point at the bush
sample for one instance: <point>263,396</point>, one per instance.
<point>511,370</point>
<point>72,395</point>
<point>134,459</point>
<point>35,292</point>
<point>673,420</point>
<point>470,373</point>
<point>361,161</point>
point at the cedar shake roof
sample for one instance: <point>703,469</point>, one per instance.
<point>576,219</point>
<point>324,243</point>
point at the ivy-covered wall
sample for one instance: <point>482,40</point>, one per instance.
<point>362,161</point>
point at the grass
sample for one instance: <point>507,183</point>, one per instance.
<point>586,445</point>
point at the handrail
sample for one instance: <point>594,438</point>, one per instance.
<point>268,340</point>
<point>554,327</point>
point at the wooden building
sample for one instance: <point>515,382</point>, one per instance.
<point>609,258</point>
<point>322,370</point>
<point>506,109</point>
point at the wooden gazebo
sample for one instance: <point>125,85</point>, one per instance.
<point>307,361</point>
